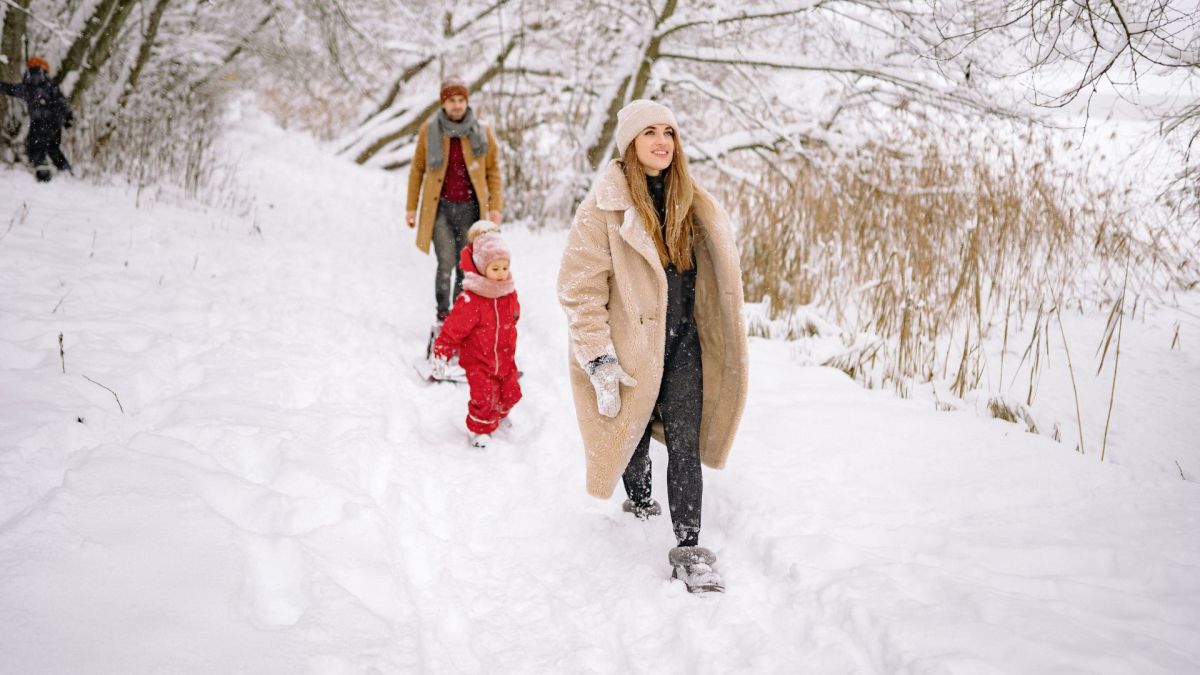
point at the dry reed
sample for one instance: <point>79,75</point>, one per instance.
<point>936,252</point>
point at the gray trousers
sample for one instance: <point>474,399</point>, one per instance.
<point>449,237</point>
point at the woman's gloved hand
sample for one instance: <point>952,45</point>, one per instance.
<point>607,376</point>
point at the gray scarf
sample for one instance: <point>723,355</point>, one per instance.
<point>468,126</point>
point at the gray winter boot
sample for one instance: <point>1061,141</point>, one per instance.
<point>642,511</point>
<point>693,565</point>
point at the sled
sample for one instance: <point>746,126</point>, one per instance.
<point>454,374</point>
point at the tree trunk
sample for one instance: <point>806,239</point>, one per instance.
<point>632,88</point>
<point>143,57</point>
<point>144,53</point>
<point>103,50</point>
<point>83,41</point>
<point>600,147</point>
<point>449,32</point>
<point>16,18</point>
<point>13,36</point>
<point>408,74</point>
<point>236,51</point>
<point>417,120</point>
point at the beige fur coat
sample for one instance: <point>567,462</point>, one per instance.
<point>614,291</point>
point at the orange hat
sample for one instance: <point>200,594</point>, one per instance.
<point>453,85</point>
<point>38,62</point>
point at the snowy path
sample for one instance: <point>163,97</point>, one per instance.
<point>282,495</point>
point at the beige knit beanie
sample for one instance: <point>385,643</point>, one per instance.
<point>637,115</point>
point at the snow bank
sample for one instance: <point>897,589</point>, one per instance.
<point>282,494</point>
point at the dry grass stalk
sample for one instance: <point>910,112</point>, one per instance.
<point>1116,322</point>
<point>937,252</point>
<point>1074,387</point>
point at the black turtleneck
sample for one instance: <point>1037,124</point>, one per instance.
<point>657,185</point>
<point>681,286</point>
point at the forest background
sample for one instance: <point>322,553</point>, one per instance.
<point>923,189</point>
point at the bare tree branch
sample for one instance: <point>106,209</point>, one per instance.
<point>102,51</point>
<point>669,30</point>
<point>416,120</point>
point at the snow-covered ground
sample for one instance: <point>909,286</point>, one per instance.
<point>268,487</point>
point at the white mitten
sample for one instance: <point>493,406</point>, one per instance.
<point>607,376</point>
<point>439,368</point>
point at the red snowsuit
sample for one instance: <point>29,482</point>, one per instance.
<point>483,330</point>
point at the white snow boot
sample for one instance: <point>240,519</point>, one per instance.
<point>693,565</point>
<point>480,440</point>
<point>642,511</point>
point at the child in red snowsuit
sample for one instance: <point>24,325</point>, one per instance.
<point>482,328</point>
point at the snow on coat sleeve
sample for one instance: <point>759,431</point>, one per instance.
<point>583,283</point>
<point>416,171</point>
<point>495,181</point>
<point>463,317</point>
<point>64,107</point>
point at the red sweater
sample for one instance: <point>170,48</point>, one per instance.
<point>457,186</point>
<point>483,330</point>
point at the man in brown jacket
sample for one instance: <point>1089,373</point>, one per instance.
<point>455,179</point>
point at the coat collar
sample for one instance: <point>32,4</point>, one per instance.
<point>612,194</point>
<point>611,188</point>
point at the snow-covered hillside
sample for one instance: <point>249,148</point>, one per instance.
<point>240,472</point>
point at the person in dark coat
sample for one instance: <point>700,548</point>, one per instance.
<point>49,114</point>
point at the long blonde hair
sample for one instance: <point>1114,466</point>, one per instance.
<point>681,219</point>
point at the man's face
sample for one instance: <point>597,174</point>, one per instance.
<point>455,107</point>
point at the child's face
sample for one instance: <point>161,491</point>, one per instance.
<point>497,270</point>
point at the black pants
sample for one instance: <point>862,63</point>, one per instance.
<point>679,405</point>
<point>449,237</point>
<point>39,151</point>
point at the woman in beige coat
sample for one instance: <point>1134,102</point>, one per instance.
<point>651,286</point>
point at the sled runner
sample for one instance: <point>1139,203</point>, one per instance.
<point>454,373</point>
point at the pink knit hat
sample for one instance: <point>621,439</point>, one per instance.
<point>488,245</point>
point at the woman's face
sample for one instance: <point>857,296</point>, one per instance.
<point>655,147</point>
<point>497,270</point>
<point>455,107</point>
